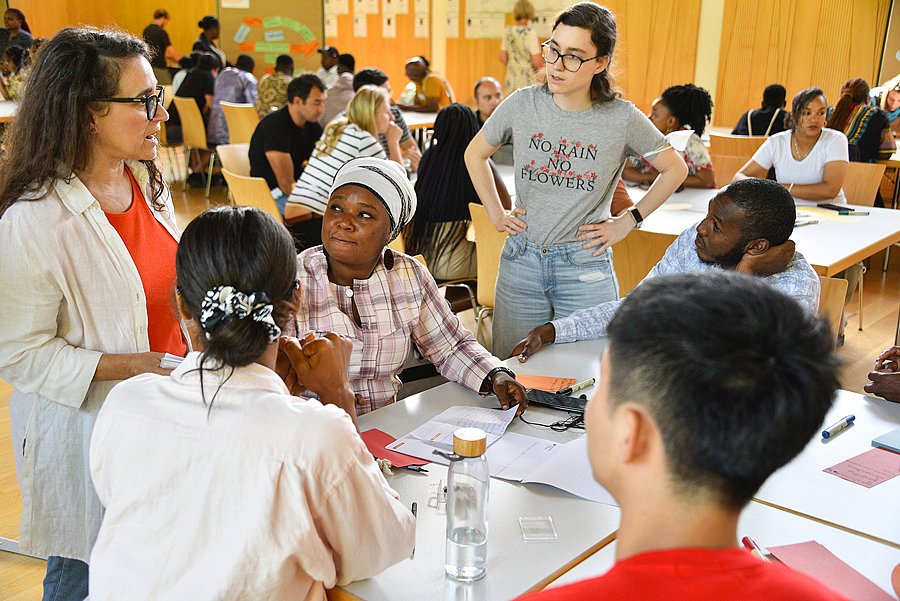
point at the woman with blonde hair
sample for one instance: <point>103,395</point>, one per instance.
<point>520,50</point>
<point>351,136</point>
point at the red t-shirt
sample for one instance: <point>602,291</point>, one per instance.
<point>696,574</point>
<point>152,248</point>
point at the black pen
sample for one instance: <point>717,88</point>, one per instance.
<point>415,509</point>
<point>412,468</point>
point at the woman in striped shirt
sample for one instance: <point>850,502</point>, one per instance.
<point>353,135</point>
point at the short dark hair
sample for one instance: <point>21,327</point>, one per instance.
<point>207,61</point>
<point>481,81</point>
<point>690,104</point>
<point>769,210</point>
<point>284,63</point>
<point>160,13</point>
<point>245,62</point>
<point>247,249</point>
<point>347,62</point>
<point>303,85</point>
<point>741,377</point>
<point>370,76</point>
<point>774,96</point>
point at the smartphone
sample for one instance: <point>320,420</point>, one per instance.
<point>556,401</point>
<point>827,205</point>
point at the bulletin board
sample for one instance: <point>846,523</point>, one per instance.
<point>266,28</point>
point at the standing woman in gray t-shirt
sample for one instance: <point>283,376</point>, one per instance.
<point>570,139</point>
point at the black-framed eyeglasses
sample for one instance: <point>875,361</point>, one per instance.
<point>151,102</point>
<point>570,62</point>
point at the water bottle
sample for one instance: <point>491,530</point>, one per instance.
<point>468,483</point>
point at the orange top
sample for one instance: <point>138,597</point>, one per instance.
<point>152,248</point>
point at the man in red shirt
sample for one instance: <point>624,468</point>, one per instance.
<point>710,383</point>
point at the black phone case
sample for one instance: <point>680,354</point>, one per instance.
<point>556,401</point>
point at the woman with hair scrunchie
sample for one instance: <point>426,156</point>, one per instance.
<point>88,266</point>
<point>217,482</point>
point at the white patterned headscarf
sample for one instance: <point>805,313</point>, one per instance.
<point>387,180</point>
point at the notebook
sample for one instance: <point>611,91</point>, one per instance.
<point>889,441</point>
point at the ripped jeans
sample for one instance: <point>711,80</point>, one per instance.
<point>537,284</point>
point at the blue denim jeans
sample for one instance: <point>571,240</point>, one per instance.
<point>66,579</point>
<point>281,201</point>
<point>537,284</point>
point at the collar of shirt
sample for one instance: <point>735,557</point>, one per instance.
<point>253,376</point>
<point>76,197</point>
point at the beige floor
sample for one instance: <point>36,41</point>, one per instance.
<point>20,577</point>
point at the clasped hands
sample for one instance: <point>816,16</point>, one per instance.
<point>884,380</point>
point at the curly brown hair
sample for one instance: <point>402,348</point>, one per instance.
<point>50,138</point>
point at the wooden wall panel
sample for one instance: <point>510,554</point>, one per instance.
<point>797,43</point>
<point>47,16</point>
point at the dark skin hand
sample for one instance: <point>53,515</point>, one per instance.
<point>509,392</point>
<point>771,260</point>
<point>534,341</point>
<point>884,381</point>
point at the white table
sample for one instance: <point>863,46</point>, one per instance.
<point>802,487</point>
<point>419,124</point>
<point>8,110</point>
<point>772,527</point>
<point>514,566</point>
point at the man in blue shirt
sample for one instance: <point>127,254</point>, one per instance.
<point>746,229</point>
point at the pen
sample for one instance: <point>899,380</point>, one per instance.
<point>802,223</point>
<point>838,426</point>
<point>576,387</point>
<point>412,468</point>
<point>853,213</point>
<point>751,544</point>
<point>414,508</point>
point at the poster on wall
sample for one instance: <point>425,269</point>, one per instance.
<point>265,29</point>
<point>336,8</point>
<point>388,26</point>
<point>360,26</point>
<point>422,26</point>
<point>331,26</point>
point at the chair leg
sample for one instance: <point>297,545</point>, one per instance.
<point>479,318</point>
<point>887,258</point>
<point>187,167</point>
<point>862,273</point>
<point>212,162</point>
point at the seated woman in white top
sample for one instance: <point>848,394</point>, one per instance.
<point>355,135</point>
<point>810,160</point>
<point>217,483</point>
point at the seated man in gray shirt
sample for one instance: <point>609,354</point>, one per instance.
<point>746,229</point>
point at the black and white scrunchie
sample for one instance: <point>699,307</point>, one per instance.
<point>224,301</point>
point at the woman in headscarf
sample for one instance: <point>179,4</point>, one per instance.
<point>384,300</point>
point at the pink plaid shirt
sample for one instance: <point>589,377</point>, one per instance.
<point>400,303</point>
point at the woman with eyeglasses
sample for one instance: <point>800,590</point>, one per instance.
<point>571,137</point>
<point>88,268</point>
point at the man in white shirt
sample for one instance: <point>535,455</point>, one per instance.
<point>328,72</point>
<point>341,93</point>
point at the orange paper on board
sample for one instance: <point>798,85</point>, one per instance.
<point>253,21</point>
<point>545,383</point>
<point>247,46</point>
<point>305,49</point>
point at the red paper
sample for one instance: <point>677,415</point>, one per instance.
<point>253,21</point>
<point>869,468</point>
<point>815,560</point>
<point>376,440</point>
<point>247,46</point>
<point>545,383</point>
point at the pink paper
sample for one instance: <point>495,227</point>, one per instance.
<point>869,468</point>
<point>376,440</point>
<point>813,559</point>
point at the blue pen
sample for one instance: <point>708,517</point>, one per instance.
<point>838,426</point>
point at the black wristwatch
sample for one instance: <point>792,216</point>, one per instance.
<point>638,218</point>
<point>487,383</point>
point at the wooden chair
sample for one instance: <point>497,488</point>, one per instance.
<point>242,120</point>
<point>193,132</point>
<point>860,187</point>
<point>730,153</point>
<point>235,158</point>
<point>251,192</point>
<point>488,247</point>
<point>831,302</point>
<point>459,294</point>
<point>635,256</point>
<point>164,138</point>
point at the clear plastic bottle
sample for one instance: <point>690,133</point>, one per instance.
<point>468,484</point>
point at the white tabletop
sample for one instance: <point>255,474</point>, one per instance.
<point>803,487</point>
<point>8,109</point>
<point>514,566</point>
<point>416,120</point>
<point>772,527</point>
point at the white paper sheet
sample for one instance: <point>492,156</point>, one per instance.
<point>360,26</point>
<point>331,26</point>
<point>388,26</point>
<point>568,468</point>
<point>438,431</point>
<point>423,26</point>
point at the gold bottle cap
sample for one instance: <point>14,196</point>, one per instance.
<point>469,442</point>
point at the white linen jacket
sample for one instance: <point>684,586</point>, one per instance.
<point>69,292</point>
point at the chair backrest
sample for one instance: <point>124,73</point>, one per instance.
<point>242,120</point>
<point>163,137</point>
<point>168,94</point>
<point>831,301</point>
<point>235,158</point>
<point>251,192</point>
<point>861,183</point>
<point>488,247</point>
<point>636,255</point>
<point>730,153</point>
<point>193,131</point>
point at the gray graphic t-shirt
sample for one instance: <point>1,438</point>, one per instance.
<point>567,164</point>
